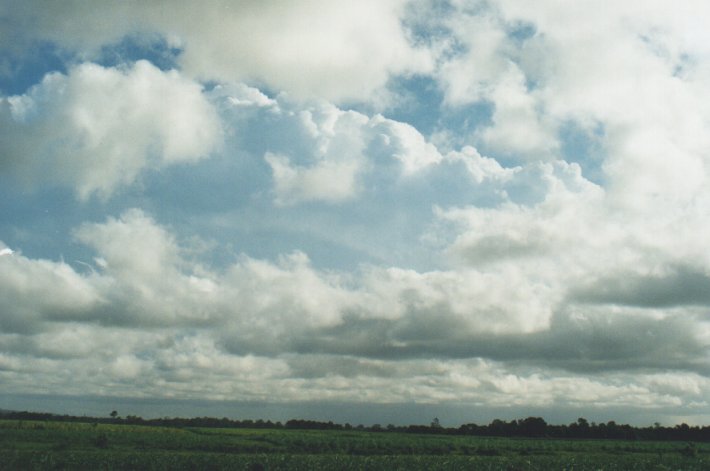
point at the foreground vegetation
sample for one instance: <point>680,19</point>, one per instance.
<point>33,445</point>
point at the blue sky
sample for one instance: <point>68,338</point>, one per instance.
<point>462,205</point>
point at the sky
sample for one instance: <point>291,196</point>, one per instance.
<point>326,208</point>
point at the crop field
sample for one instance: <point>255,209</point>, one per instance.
<point>35,445</point>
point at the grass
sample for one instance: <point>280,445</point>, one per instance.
<point>31,445</point>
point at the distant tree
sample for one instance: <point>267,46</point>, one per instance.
<point>497,427</point>
<point>435,423</point>
<point>114,414</point>
<point>532,427</point>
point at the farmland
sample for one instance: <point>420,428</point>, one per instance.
<point>74,445</point>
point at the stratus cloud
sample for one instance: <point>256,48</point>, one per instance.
<point>95,129</point>
<point>277,43</point>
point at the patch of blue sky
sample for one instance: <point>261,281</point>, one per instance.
<point>151,47</point>
<point>584,146</point>
<point>418,102</point>
<point>333,236</point>
<point>262,130</point>
<point>346,236</point>
<point>394,212</point>
<point>220,183</point>
<point>462,121</point>
<point>229,199</point>
<point>425,23</point>
<point>684,65</point>
<point>520,31</point>
<point>18,72</point>
<point>39,223</point>
<point>421,104</point>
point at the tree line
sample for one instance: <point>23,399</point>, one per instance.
<point>530,427</point>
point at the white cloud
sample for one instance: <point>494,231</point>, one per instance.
<point>537,287</point>
<point>630,68</point>
<point>518,127</point>
<point>338,50</point>
<point>481,63</point>
<point>448,304</point>
<point>477,62</point>
<point>481,168</point>
<point>329,173</point>
<point>143,273</point>
<point>132,245</point>
<point>633,70</point>
<point>406,144</point>
<point>344,149</point>
<point>97,128</point>
<point>283,45</point>
<point>325,181</point>
<point>178,329</point>
<point>241,95</point>
<point>33,291</point>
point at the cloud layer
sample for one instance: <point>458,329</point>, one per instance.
<point>474,203</point>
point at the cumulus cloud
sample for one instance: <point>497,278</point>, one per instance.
<point>518,127</point>
<point>337,252</point>
<point>630,71</point>
<point>95,129</point>
<point>327,180</point>
<point>406,144</point>
<point>260,308</point>
<point>280,44</point>
<point>337,143</point>
<point>339,151</point>
<point>312,334</point>
<point>34,291</point>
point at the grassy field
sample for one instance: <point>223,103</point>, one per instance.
<point>29,445</point>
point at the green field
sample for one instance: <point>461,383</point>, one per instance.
<point>29,445</point>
